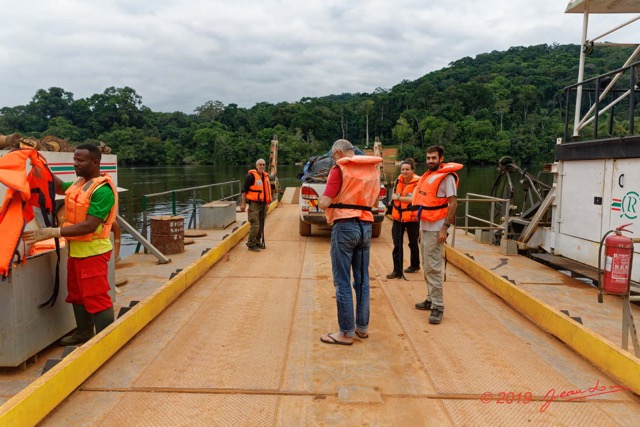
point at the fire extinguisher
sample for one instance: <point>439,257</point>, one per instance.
<point>617,263</point>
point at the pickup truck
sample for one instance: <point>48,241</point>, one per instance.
<point>314,181</point>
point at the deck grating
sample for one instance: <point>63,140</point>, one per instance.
<point>241,348</point>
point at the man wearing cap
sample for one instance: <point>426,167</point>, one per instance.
<point>257,190</point>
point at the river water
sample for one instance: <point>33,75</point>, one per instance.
<point>140,181</point>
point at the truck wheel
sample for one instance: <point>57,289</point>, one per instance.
<point>305,228</point>
<point>376,229</point>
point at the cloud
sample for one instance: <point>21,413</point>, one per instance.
<point>179,54</point>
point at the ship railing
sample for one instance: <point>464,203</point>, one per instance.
<point>229,190</point>
<point>601,86</point>
<point>486,224</point>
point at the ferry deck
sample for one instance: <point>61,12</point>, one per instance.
<point>233,338</point>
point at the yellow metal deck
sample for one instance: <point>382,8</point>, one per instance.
<point>241,347</point>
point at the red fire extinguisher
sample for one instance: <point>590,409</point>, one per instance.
<point>617,262</point>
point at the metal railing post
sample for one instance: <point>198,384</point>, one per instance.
<point>173,203</point>
<point>144,221</point>
<point>466,217</point>
<point>632,99</point>
<point>566,115</point>
<point>597,112</point>
<point>192,220</point>
<point>492,213</point>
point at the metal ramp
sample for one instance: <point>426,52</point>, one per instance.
<point>577,269</point>
<point>532,226</point>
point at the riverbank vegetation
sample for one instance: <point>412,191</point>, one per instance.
<point>479,109</point>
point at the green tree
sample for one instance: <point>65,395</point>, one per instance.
<point>210,110</point>
<point>365,109</point>
<point>154,150</point>
<point>115,108</point>
<point>47,104</point>
<point>402,132</point>
<point>127,143</point>
<point>63,128</point>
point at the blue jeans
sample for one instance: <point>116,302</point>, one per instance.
<point>350,245</point>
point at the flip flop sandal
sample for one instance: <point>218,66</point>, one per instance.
<point>332,340</point>
<point>362,335</point>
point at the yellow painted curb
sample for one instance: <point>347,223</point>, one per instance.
<point>612,359</point>
<point>33,403</point>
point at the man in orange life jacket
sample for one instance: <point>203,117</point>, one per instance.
<point>90,210</point>
<point>436,197</point>
<point>257,190</point>
<point>352,189</point>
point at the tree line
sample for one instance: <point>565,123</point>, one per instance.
<point>480,109</point>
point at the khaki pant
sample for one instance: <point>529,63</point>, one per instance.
<point>257,211</point>
<point>432,252</point>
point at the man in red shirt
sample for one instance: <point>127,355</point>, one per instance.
<point>352,189</point>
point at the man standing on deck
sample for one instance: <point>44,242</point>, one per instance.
<point>436,198</point>
<point>257,190</point>
<point>91,205</point>
<point>352,189</point>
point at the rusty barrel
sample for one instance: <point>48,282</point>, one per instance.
<point>167,234</point>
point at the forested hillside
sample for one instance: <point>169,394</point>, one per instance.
<point>479,108</point>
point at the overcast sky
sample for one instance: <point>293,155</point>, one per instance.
<point>178,55</point>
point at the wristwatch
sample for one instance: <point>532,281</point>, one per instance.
<point>446,224</point>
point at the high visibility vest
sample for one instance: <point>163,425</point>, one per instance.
<point>260,191</point>
<point>359,191</point>
<point>405,211</point>
<point>77,201</point>
<point>24,191</point>
<point>431,207</point>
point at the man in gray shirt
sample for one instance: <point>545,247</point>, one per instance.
<point>436,196</point>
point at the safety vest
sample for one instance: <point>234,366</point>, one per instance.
<point>405,211</point>
<point>77,201</point>
<point>260,191</point>
<point>359,191</point>
<point>431,207</point>
<point>24,191</point>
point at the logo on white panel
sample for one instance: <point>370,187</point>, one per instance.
<point>627,206</point>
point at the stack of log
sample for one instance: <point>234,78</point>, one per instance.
<point>53,143</point>
<point>104,148</point>
<point>48,143</point>
<point>9,141</point>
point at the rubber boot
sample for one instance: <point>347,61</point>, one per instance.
<point>103,319</point>
<point>84,331</point>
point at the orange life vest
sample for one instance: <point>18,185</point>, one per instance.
<point>46,246</point>
<point>359,191</point>
<point>77,201</point>
<point>431,207</point>
<point>405,211</point>
<point>260,191</point>
<point>24,191</point>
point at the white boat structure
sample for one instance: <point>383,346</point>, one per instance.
<point>596,184</point>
